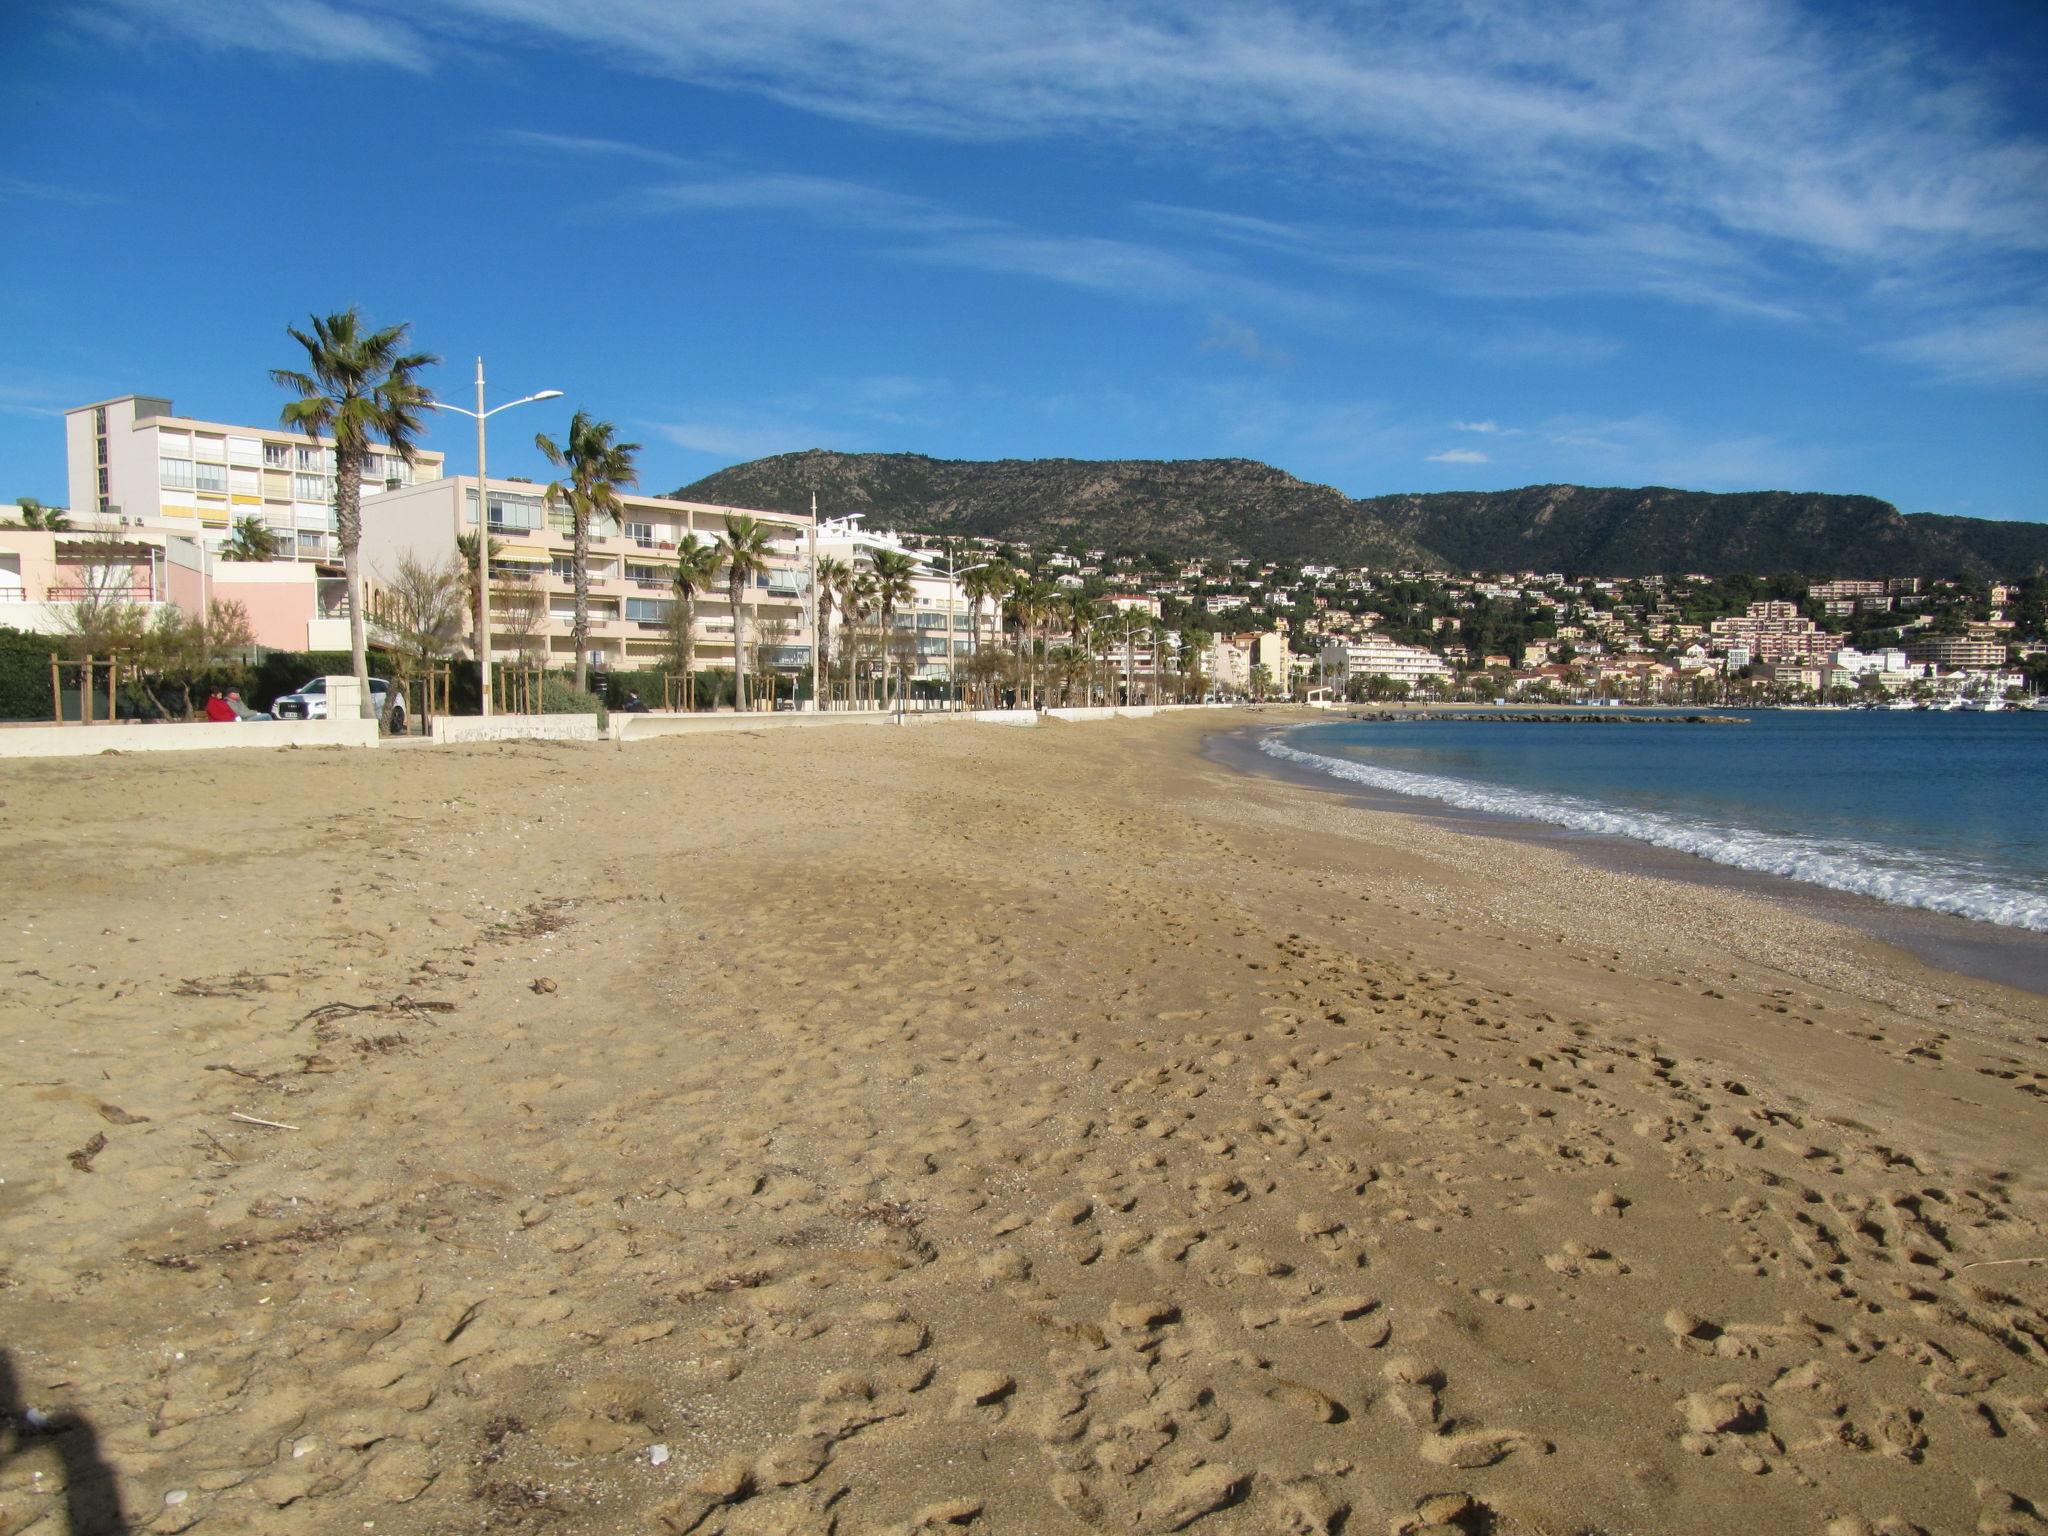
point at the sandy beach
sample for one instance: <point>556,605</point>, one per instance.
<point>953,1128</point>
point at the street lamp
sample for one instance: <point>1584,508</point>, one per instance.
<point>953,572</point>
<point>483,521</point>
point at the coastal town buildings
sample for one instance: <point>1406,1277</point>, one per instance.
<point>133,463</point>
<point>1376,656</point>
<point>632,561</point>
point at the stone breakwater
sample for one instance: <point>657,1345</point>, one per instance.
<point>1541,717</point>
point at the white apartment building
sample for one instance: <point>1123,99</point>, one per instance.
<point>132,462</point>
<point>937,607</point>
<point>631,564</point>
<point>1377,656</point>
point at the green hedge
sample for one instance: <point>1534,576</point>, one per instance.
<point>25,675</point>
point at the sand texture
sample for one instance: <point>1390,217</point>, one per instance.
<point>977,1130</point>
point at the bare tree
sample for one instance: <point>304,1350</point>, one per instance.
<point>420,614</point>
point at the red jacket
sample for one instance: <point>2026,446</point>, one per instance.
<point>218,708</point>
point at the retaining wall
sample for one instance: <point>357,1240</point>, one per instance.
<point>198,736</point>
<point>456,729</point>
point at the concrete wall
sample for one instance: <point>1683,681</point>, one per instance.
<point>205,736</point>
<point>457,729</point>
<point>648,726</point>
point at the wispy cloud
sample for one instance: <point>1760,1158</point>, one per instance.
<point>19,189</point>
<point>1475,426</point>
<point>929,231</point>
<point>1227,335</point>
<point>1460,456</point>
<point>2001,345</point>
<point>1759,158</point>
<point>1653,449</point>
<point>307,30</point>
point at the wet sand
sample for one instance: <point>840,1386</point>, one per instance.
<point>975,1129</point>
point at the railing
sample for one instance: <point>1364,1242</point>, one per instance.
<point>125,594</point>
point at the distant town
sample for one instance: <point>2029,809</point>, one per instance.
<point>234,528</point>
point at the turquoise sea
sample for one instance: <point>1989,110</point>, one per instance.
<point>1943,812</point>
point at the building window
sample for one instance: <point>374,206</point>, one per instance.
<point>99,421</point>
<point>104,489</point>
<point>176,473</point>
<point>649,610</point>
<point>309,488</point>
<point>641,534</point>
<point>307,458</point>
<point>276,456</point>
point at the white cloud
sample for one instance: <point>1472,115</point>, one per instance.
<point>1745,155</point>
<point>2005,345</point>
<point>1475,426</point>
<point>16,188</point>
<point>307,30</point>
<point>1650,449</point>
<point>1459,456</point>
<point>1227,335</point>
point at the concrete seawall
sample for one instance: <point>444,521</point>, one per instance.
<point>195,736</point>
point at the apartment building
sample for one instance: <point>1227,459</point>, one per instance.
<point>1980,650</point>
<point>632,560</point>
<point>1770,632</point>
<point>1377,656</point>
<point>937,606</point>
<point>133,462</point>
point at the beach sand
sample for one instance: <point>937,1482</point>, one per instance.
<point>881,1130</point>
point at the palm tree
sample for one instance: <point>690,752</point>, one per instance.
<point>831,577</point>
<point>471,573</point>
<point>597,467</point>
<point>695,574</point>
<point>49,519</point>
<point>253,539</point>
<point>743,552</point>
<point>358,387</point>
<point>986,583</point>
<point>1080,613</point>
<point>857,600</point>
<point>892,571</point>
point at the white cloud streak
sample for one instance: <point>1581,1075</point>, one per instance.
<point>1459,456</point>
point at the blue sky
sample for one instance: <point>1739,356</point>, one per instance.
<point>1724,244</point>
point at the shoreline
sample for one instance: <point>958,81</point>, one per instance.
<point>2014,957</point>
<point>1033,1130</point>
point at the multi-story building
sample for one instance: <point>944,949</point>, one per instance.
<point>937,605</point>
<point>1377,656</point>
<point>631,564</point>
<point>1974,652</point>
<point>1774,631</point>
<point>1826,590</point>
<point>133,463</point>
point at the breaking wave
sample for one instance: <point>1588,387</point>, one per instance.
<point>1915,880</point>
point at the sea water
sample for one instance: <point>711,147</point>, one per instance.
<point>1943,811</point>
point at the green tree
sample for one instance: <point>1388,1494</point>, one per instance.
<point>253,540</point>
<point>469,553</point>
<point>743,553</point>
<point>49,519</point>
<point>892,572</point>
<point>357,388</point>
<point>831,578</point>
<point>598,464</point>
<point>695,574</point>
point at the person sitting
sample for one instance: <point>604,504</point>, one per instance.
<point>218,709</point>
<point>243,711</point>
<point>633,706</point>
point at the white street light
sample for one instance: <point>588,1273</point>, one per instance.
<point>953,573</point>
<point>483,521</point>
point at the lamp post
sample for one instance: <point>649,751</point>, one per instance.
<point>953,572</point>
<point>483,522</point>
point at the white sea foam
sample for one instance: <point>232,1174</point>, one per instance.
<point>1843,865</point>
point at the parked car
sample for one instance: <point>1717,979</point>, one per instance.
<point>310,703</point>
